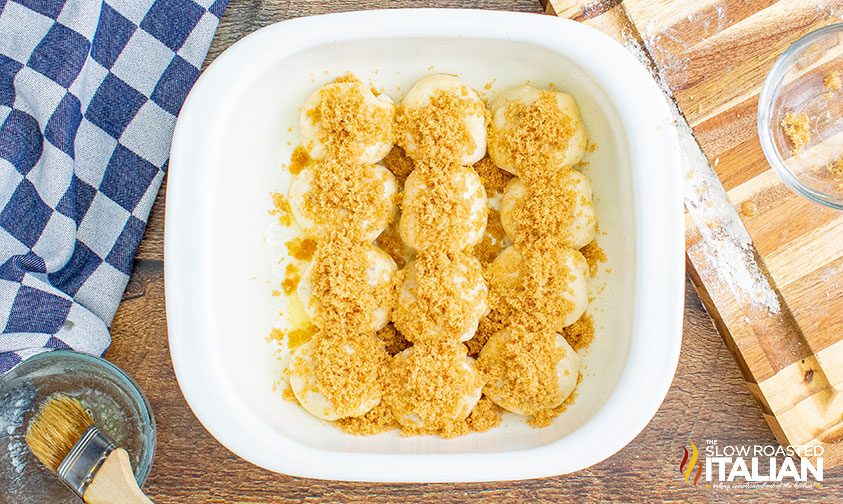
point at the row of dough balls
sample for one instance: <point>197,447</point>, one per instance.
<point>462,186</point>
<point>419,97</point>
<point>578,232</point>
<point>380,266</point>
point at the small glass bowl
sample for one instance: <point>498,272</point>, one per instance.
<point>118,407</point>
<point>797,84</point>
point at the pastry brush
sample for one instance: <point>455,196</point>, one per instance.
<point>62,435</point>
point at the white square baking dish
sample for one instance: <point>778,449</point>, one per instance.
<point>230,140</point>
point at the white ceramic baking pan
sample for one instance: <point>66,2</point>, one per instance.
<point>230,141</point>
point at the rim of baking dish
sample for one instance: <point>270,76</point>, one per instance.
<point>659,247</point>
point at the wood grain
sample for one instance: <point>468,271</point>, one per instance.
<point>713,58</point>
<point>708,399</point>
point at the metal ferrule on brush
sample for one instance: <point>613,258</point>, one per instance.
<point>77,470</point>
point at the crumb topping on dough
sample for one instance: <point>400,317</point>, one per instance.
<point>416,363</point>
<point>539,131</point>
<point>542,218</point>
<point>448,290</point>
<point>440,213</point>
<point>528,293</point>
<point>347,123</point>
<point>431,383</point>
<point>348,197</point>
<point>494,179</point>
<point>339,278</point>
<point>522,369</point>
<point>348,368</point>
<point>438,132</point>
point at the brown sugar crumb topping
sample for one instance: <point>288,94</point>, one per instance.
<point>431,383</point>
<point>531,296</point>
<point>379,419</point>
<point>291,279</point>
<point>295,337</point>
<point>485,415</point>
<point>348,367</point>
<point>493,241</point>
<point>347,77</point>
<point>340,283</point>
<point>281,208</point>
<point>349,197</point>
<point>444,308</point>
<point>594,255</point>
<point>494,179</point>
<point>580,334</point>
<point>399,163</point>
<point>301,248</point>
<point>390,242</point>
<point>544,418</point>
<point>489,325</point>
<point>797,130</point>
<point>288,394</point>
<point>298,160</point>
<point>544,215</point>
<point>832,81</point>
<point>347,123</point>
<point>394,341</point>
<point>540,130</point>
<point>439,132</point>
<point>524,366</point>
<point>440,211</point>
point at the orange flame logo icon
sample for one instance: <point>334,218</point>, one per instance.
<point>690,460</point>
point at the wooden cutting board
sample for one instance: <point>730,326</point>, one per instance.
<point>768,264</point>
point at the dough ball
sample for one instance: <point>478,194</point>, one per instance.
<point>442,119</point>
<point>325,197</point>
<point>536,128</point>
<point>434,387</point>
<point>447,205</point>
<point>442,297</point>
<point>560,213</point>
<point>345,119</point>
<point>356,393</point>
<point>351,283</point>
<point>528,372</point>
<point>549,285</point>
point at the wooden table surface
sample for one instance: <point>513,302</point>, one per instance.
<point>708,399</point>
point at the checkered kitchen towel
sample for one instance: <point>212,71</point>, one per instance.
<point>89,93</point>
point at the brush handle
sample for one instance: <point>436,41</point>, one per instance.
<point>114,482</point>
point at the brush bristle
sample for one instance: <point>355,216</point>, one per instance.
<point>56,427</point>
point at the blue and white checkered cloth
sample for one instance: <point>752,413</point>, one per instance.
<point>89,93</point>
